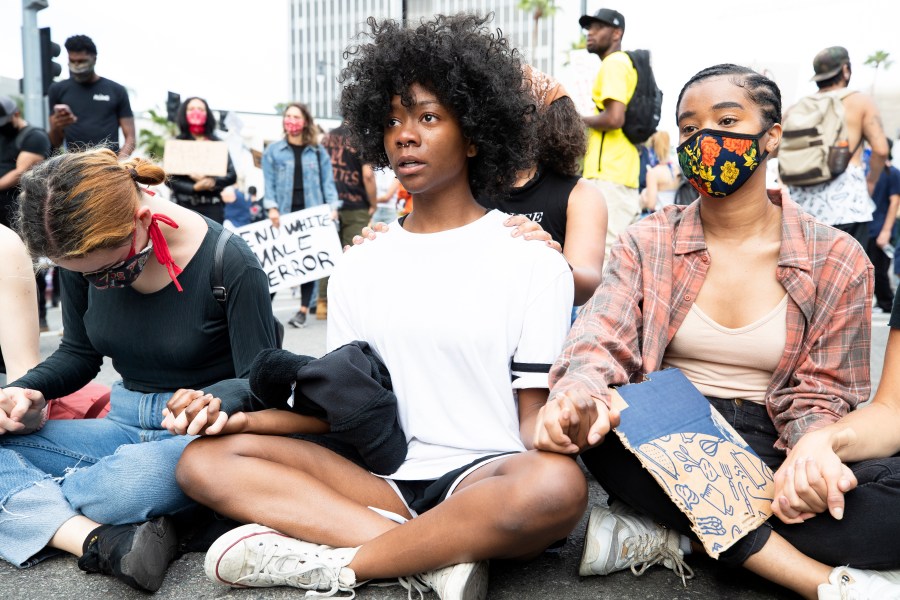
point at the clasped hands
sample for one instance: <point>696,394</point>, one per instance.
<point>193,412</point>
<point>20,410</point>
<point>813,478</point>
<point>573,421</point>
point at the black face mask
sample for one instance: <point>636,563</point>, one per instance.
<point>8,130</point>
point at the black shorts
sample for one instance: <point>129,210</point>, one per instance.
<point>421,495</point>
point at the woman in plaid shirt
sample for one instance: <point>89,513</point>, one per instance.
<point>768,313</point>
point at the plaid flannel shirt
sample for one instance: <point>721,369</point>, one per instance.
<point>654,274</point>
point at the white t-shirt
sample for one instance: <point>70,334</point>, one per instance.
<point>460,318</point>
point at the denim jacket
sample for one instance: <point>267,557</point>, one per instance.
<point>278,171</point>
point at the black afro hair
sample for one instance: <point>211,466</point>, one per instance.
<point>473,72</point>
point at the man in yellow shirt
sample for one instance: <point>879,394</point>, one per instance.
<point>612,162</point>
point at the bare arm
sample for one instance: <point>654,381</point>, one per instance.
<point>884,237</point>
<point>369,183</point>
<point>58,124</point>
<point>19,327</point>
<point>390,192</point>
<point>586,219</point>
<point>650,194</point>
<point>873,133</point>
<point>530,402</point>
<point>275,422</point>
<point>127,125</point>
<point>24,161</point>
<point>611,117</point>
<point>874,430</point>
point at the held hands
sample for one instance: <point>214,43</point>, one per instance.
<point>20,410</point>
<point>572,422</point>
<point>883,239</point>
<point>813,478</point>
<point>192,412</point>
<point>275,217</point>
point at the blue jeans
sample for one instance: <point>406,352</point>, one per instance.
<point>120,469</point>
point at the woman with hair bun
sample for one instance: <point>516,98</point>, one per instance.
<point>198,191</point>
<point>136,288</point>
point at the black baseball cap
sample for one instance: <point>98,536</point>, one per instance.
<point>604,15</point>
<point>7,109</point>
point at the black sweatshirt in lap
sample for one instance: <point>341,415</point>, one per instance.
<point>165,340</point>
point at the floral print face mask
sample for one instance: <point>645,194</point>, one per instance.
<point>718,163</point>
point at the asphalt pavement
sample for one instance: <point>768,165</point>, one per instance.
<point>552,576</point>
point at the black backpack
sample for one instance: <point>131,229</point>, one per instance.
<point>218,283</point>
<point>643,111</point>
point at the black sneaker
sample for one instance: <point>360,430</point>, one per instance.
<point>137,554</point>
<point>298,320</point>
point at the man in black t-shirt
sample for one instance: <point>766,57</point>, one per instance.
<point>86,109</point>
<point>21,147</point>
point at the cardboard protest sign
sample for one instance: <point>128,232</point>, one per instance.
<point>190,157</point>
<point>700,461</point>
<point>304,248</point>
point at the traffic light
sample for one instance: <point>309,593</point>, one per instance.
<point>49,50</point>
<point>173,101</point>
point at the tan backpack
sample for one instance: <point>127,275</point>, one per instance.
<point>814,148</point>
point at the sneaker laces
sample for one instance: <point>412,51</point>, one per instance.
<point>414,583</point>
<point>307,574</point>
<point>649,549</point>
<point>845,589</point>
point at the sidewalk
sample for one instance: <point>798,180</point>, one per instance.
<point>552,576</point>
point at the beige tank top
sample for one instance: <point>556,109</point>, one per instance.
<point>729,363</point>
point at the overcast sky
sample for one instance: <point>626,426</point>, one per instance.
<point>235,54</point>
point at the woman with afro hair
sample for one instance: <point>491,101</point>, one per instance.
<point>443,104</point>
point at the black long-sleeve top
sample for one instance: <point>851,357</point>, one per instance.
<point>165,340</point>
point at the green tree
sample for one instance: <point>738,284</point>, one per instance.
<point>153,141</point>
<point>538,9</point>
<point>879,59</point>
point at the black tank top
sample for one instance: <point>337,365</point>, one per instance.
<point>544,200</point>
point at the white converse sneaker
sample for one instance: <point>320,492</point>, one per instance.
<point>620,538</point>
<point>257,556</point>
<point>845,583</point>
<point>465,581</point>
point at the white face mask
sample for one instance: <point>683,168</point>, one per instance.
<point>82,71</point>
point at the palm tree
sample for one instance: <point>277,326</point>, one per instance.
<point>539,9</point>
<point>877,60</point>
<point>153,141</point>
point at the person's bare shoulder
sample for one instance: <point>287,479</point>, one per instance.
<point>13,250</point>
<point>859,104</point>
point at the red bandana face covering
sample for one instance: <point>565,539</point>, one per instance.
<point>196,121</point>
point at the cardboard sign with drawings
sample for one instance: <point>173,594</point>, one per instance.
<point>700,461</point>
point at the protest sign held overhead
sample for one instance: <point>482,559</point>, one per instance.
<point>304,248</point>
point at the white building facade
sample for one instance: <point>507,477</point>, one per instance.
<point>320,31</point>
